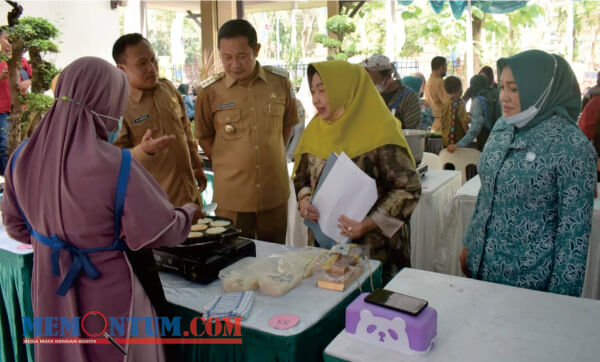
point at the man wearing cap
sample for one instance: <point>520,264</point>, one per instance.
<point>243,120</point>
<point>400,99</point>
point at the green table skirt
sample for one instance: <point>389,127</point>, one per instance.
<point>263,347</point>
<point>328,358</point>
<point>15,302</point>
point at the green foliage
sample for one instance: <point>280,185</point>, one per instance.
<point>328,42</point>
<point>586,14</point>
<point>36,103</point>
<point>525,16</point>
<point>477,12</point>
<point>192,41</point>
<point>372,22</point>
<point>412,47</point>
<point>159,31</point>
<point>423,26</point>
<point>341,26</point>
<point>47,72</point>
<point>35,33</point>
<point>43,45</point>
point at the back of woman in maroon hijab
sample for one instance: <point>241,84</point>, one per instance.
<point>64,180</point>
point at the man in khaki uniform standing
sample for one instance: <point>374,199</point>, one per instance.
<point>435,93</point>
<point>244,118</point>
<point>158,132</point>
<point>155,126</point>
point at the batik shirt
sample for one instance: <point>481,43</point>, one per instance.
<point>398,190</point>
<point>532,219</point>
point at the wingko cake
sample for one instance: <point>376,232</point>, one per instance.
<point>389,328</point>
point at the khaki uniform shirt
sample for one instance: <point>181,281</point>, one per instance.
<point>162,110</point>
<point>436,95</point>
<point>246,125</point>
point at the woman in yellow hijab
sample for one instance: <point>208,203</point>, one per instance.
<point>352,118</point>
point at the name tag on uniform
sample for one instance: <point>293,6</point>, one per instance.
<point>226,105</point>
<point>142,118</point>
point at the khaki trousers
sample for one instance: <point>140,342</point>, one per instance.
<point>267,225</point>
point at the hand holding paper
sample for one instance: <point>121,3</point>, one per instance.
<point>345,190</point>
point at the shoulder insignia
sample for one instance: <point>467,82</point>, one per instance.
<point>276,70</point>
<point>210,80</point>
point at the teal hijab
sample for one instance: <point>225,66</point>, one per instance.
<point>413,83</point>
<point>533,70</point>
<point>183,89</point>
<point>479,86</point>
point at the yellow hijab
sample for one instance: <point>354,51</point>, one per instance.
<point>366,123</point>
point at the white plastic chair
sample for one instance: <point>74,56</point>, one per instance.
<point>432,160</point>
<point>460,159</point>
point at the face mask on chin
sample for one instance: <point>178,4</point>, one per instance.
<point>381,87</point>
<point>113,135</point>
<point>522,118</point>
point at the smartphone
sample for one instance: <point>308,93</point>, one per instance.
<point>397,301</point>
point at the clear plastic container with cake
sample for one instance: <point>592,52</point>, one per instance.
<point>306,256</point>
<point>277,274</point>
<point>335,270</point>
<point>239,277</point>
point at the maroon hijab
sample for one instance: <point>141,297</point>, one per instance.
<point>67,157</point>
<point>65,181</point>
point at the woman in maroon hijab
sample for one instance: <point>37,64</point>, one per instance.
<point>62,186</point>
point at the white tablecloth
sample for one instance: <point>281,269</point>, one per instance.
<point>459,213</point>
<point>426,222</point>
<point>479,321</point>
<point>306,300</point>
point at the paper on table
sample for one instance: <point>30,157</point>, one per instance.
<point>10,244</point>
<point>346,190</point>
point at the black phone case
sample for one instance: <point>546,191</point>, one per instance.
<point>382,304</point>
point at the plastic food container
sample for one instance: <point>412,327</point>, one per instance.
<point>239,277</point>
<point>307,257</point>
<point>277,274</point>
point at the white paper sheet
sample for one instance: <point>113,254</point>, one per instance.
<point>347,190</point>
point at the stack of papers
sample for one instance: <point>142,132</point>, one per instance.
<point>343,189</point>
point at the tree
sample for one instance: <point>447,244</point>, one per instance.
<point>494,35</point>
<point>340,26</point>
<point>587,13</point>
<point>372,21</point>
<point>192,41</point>
<point>33,34</point>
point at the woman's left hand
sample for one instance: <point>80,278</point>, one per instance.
<point>355,229</point>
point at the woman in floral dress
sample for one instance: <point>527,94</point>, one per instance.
<point>532,219</point>
<point>353,118</point>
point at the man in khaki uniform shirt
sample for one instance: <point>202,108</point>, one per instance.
<point>157,131</point>
<point>435,94</point>
<point>243,121</point>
